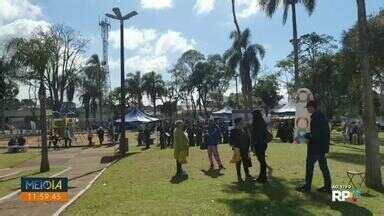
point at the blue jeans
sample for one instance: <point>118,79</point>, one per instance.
<point>311,161</point>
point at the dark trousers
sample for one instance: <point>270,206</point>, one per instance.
<point>311,161</point>
<point>246,161</point>
<point>179,169</point>
<point>263,164</point>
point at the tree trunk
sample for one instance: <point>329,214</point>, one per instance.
<point>235,18</point>
<point>295,44</point>
<point>101,108</point>
<point>44,165</point>
<point>372,148</point>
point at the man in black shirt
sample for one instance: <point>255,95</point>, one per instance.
<point>318,146</point>
<point>239,138</point>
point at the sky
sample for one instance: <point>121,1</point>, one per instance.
<point>164,29</point>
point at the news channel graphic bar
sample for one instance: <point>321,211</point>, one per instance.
<point>44,189</point>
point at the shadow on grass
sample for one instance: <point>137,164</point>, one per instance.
<point>116,157</point>
<point>278,197</point>
<point>177,179</point>
<point>347,157</point>
<point>213,173</point>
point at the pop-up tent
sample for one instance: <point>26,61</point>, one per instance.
<point>287,110</point>
<point>136,116</point>
<point>225,111</point>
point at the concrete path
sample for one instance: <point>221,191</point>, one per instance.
<point>85,165</point>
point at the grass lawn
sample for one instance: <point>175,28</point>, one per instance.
<point>10,185</point>
<point>140,185</point>
<point>11,160</point>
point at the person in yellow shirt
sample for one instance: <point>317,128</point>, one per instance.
<point>181,147</point>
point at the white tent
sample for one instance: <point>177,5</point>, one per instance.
<point>225,111</point>
<point>286,108</point>
<point>136,116</point>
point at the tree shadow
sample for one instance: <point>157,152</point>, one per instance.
<point>177,179</point>
<point>278,197</point>
<point>116,157</point>
<point>347,157</point>
<point>213,173</point>
<point>345,208</point>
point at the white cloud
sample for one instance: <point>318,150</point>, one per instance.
<point>204,6</point>
<point>19,18</point>
<point>21,28</point>
<point>247,8</point>
<point>173,42</point>
<point>133,37</point>
<point>151,50</point>
<point>11,10</point>
<point>147,63</point>
<point>156,4</point>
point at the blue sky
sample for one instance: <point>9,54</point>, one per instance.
<point>165,28</point>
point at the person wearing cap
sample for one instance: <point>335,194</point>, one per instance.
<point>181,147</point>
<point>240,142</point>
<point>318,147</point>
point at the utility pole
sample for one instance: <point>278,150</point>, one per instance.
<point>237,93</point>
<point>123,148</point>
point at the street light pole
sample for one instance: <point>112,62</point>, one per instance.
<point>123,147</point>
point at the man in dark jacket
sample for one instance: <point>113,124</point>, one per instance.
<point>239,139</point>
<point>318,146</point>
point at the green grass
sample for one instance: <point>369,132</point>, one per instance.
<point>140,185</point>
<point>12,184</point>
<point>8,160</point>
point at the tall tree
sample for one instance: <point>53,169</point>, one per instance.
<point>153,86</point>
<point>99,81</point>
<point>135,88</point>
<point>372,148</point>
<point>35,54</point>
<point>182,72</point>
<point>270,7</point>
<point>245,57</point>
<point>65,64</point>
<point>8,87</point>
<point>267,89</point>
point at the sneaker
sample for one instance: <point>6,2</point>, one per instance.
<point>325,190</point>
<point>211,167</point>
<point>221,167</point>
<point>303,189</point>
<point>240,180</point>
<point>249,178</point>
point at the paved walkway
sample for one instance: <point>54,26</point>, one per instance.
<point>85,165</point>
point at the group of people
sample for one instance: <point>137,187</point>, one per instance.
<point>255,137</point>
<point>16,144</point>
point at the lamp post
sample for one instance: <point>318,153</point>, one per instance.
<point>123,148</point>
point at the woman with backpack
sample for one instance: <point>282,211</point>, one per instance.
<point>260,138</point>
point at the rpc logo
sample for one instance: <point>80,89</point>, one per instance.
<point>346,196</point>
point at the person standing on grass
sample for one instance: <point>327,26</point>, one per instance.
<point>318,146</point>
<point>181,147</point>
<point>239,140</point>
<point>213,139</point>
<point>259,137</point>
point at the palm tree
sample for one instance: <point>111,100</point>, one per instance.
<point>245,57</point>
<point>92,84</point>
<point>372,148</point>
<point>98,78</point>
<point>270,7</point>
<point>135,87</point>
<point>153,85</point>
<point>35,54</point>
